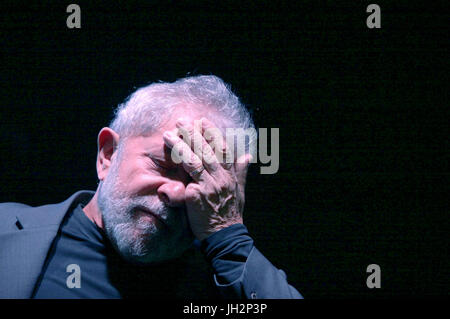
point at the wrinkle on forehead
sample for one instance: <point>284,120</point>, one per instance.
<point>153,141</point>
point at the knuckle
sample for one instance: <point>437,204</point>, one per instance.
<point>222,186</point>
<point>184,133</point>
<point>192,193</point>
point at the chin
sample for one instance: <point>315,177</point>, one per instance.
<point>153,258</point>
<point>150,249</point>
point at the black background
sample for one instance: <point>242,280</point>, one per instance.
<point>363,175</point>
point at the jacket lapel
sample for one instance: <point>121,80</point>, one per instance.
<point>24,250</point>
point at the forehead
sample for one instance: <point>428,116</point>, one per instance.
<point>154,143</point>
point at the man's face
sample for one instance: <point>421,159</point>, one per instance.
<point>142,199</point>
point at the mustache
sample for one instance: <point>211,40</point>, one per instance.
<point>162,217</point>
<point>152,206</point>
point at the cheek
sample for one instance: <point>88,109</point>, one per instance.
<point>140,183</point>
<point>133,176</point>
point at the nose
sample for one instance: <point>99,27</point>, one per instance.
<point>172,193</point>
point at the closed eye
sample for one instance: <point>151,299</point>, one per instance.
<point>168,168</point>
<point>161,164</point>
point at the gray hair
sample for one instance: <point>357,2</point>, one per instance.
<point>146,109</point>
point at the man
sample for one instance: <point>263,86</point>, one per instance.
<point>163,184</point>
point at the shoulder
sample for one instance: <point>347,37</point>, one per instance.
<point>11,207</point>
<point>44,215</point>
<point>8,215</point>
<point>7,205</point>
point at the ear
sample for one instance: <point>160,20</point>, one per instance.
<point>107,142</point>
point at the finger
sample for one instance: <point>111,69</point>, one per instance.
<point>199,145</point>
<point>181,153</point>
<point>193,192</point>
<point>217,142</point>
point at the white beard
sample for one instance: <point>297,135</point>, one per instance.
<point>135,235</point>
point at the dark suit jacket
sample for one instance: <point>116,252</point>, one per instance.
<point>27,233</point>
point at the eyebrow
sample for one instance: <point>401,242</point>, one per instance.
<point>166,158</point>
